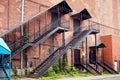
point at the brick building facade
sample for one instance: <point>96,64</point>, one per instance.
<point>103,12</point>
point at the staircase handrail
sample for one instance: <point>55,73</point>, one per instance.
<point>44,29</point>
<point>111,30</point>
<point>49,26</point>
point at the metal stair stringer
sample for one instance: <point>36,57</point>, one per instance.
<point>45,36</point>
<point>38,40</point>
<point>88,69</point>
<point>107,68</point>
<point>93,70</point>
<point>81,37</point>
<point>113,70</point>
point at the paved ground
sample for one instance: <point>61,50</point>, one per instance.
<point>111,77</point>
<point>25,79</point>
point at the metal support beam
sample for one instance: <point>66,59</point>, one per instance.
<point>96,50</point>
<point>63,38</point>
<point>82,45</point>
<point>86,53</point>
<point>10,66</point>
<point>72,57</point>
<point>21,59</point>
<point>34,29</point>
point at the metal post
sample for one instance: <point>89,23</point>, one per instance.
<point>86,52</point>
<point>102,55</point>
<point>72,57</point>
<point>34,29</point>
<point>53,41</point>
<point>21,59</point>
<point>10,68</point>
<point>59,16</point>
<point>82,45</point>
<point>96,51</point>
<point>63,38</point>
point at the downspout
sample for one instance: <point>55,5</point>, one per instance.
<point>22,16</point>
<point>22,20</point>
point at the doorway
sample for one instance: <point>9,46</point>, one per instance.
<point>55,19</point>
<point>92,56</point>
<point>77,57</point>
<point>76,26</point>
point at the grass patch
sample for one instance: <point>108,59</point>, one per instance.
<point>51,75</point>
<point>105,73</point>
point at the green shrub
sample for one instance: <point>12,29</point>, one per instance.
<point>68,69</point>
<point>50,72</point>
<point>15,73</point>
<point>56,67</point>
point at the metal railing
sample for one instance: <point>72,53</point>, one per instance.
<point>104,29</point>
<point>15,40</point>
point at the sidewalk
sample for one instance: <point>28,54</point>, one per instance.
<point>110,77</point>
<point>25,79</point>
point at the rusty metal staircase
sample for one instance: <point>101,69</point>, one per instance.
<point>88,68</point>
<point>55,55</point>
<point>107,68</point>
<point>24,43</point>
<point>76,42</point>
<point>18,42</point>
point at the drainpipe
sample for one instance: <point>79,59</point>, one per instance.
<point>22,20</point>
<point>22,16</point>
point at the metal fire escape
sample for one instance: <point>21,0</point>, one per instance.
<point>60,51</point>
<point>71,42</point>
<point>92,28</point>
<point>17,42</point>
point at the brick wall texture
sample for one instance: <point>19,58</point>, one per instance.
<point>106,12</point>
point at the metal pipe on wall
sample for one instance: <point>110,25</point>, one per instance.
<point>22,15</point>
<point>22,20</point>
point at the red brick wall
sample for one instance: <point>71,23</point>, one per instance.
<point>108,51</point>
<point>112,50</point>
<point>116,47</point>
<point>103,11</point>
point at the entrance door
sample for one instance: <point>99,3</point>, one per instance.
<point>76,26</point>
<point>92,56</point>
<point>54,20</point>
<point>76,57</point>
